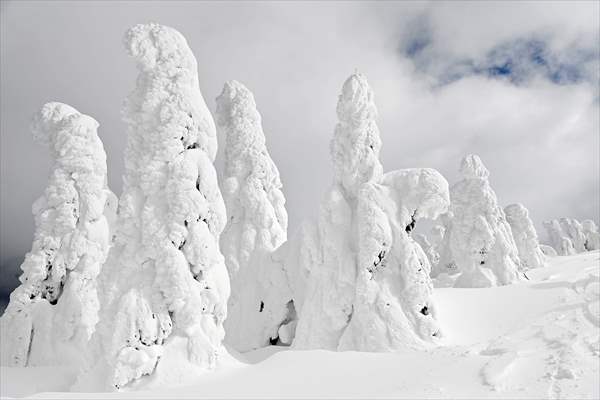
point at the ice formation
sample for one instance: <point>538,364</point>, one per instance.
<point>256,226</point>
<point>478,240</point>
<point>52,314</point>
<point>559,240</point>
<point>360,282</point>
<point>591,234</point>
<point>525,236</point>
<point>165,285</point>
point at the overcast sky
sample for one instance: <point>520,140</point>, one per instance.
<point>515,82</point>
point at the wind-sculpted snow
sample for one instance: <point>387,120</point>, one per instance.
<point>256,225</point>
<point>165,280</point>
<point>52,314</point>
<point>525,236</point>
<point>559,240</point>
<point>591,234</point>
<point>360,282</point>
<point>393,307</point>
<point>478,241</point>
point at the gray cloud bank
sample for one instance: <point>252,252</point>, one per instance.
<point>516,83</point>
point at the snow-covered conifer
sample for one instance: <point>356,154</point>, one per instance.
<point>574,231</point>
<point>525,236</point>
<point>478,240</point>
<point>548,250</point>
<point>52,314</point>
<point>256,225</point>
<point>165,285</point>
<point>559,240</point>
<point>329,290</point>
<point>591,234</point>
<point>432,255</point>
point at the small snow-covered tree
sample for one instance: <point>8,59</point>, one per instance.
<point>329,290</point>
<point>165,285</point>
<point>428,249</point>
<point>574,231</point>
<point>52,314</point>
<point>393,307</point>
<point>559,240</point>
<point>591,234</point>
<point>478,240</point>
<point>256,225</point>
<point>525,236</point>
<point>548,250</point>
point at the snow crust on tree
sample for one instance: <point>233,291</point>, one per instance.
<point>165,285</point>
<point>478,241</point>
<point>52,314</point>
<point>256,226</point>
<point>393,307</point>
<point>548,250</point>
<point>590,229</point>
<point>574,231</point>
<point>559,240</point>
<point>525,236</point>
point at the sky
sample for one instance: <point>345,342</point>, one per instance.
<point>517,83</point>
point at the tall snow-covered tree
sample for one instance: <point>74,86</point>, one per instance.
<point>525,236</point>
<point>592,235</point>
<point>559,240</point>
<point>478,240</point>
<point>52,314</point>
<point>329,289</point>
<point>574,231</point>
<point>165,285</point>
<point>393,307</point>
<point>256,225</point>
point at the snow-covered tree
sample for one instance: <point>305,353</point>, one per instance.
<point>591,234</point>
<point>559,240</point>
<point>52,314</point>
<point>256,225</point>
<point>432,255</point>
<point>574,231</point>
<point>329,290</point>
<point>393,307</point>
<point>548,250</point>
<point>165,285</point>
<point>478,240</point>
<point>525,236</point>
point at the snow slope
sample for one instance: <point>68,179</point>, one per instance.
<point>533,339</point>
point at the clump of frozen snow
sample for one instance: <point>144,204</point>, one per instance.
<point>478,240</point>
<point>52,314</point>
<point>256,226</point>
<point>165,280</point>
<point>525,236</point>
<point>592,235</point>
<point>559,240</point>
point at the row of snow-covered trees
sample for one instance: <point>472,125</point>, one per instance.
<point>185,265</point>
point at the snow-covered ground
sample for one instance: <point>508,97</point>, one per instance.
<point>533,339</point>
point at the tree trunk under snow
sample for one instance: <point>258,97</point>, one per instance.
<point>260,300</point>
<point>52,314</point>
<point>165,285</point>
<point>478,240</point>
<point>525,236</point>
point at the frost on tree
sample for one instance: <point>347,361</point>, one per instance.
<point>165,285</point>
<point>393,307</point>
<point>329,283</point>
<point>260,300</point>
<point>574,231</point>
<point>525,236</point>
<point>427,248</point>
<point>478,240</point>
<point>592,235</point>
<point>559,240</point>
<point>430,246</point>
<point>548,250</point>
<point>52,314</point>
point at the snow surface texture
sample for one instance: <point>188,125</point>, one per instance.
<point>165,285</point>
<point>52,314</point>
<point>360,281</point>
<point>559,240</point>
<point>525,236</point>
<point>478,241</point>
<point>256,226</point>
<point>494,347</point>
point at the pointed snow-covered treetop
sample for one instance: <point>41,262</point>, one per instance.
<point>325,268</point>
<point>52,314</point>
<point>256,225</point>
<point>591,234</point>
<point>525,236</point>
<point>478,240</point>
<point>165,285</point>
<point>559,240</point>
